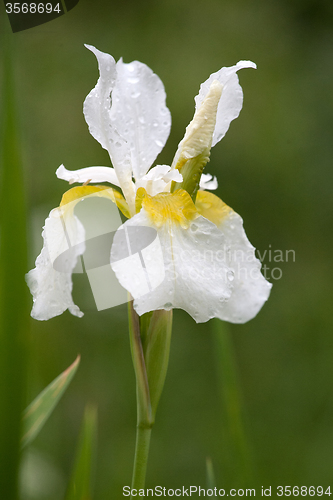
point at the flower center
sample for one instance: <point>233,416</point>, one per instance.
<point>170,208</point>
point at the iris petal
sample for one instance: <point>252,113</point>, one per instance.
<point>250,288</point>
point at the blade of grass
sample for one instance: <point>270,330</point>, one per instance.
<point>239,455</point>
<point>210,475</point>
<point>14,316</point>
<point>37,413</point>
<point>80,483</point>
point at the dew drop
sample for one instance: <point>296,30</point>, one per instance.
<point>231,275</point>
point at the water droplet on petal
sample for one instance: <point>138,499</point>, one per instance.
<point>230,275</point>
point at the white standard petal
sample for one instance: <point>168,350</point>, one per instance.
<point>191,274</point>
<point>98,102</point>
<point>197,141</point>
<point>139,115</point>
<point>50,282</point>
<point>96,109</point>
<point>231,101</point>
<point>89,174</point>
<point>207,181</point>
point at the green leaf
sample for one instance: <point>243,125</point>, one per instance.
<point>14,313</point>
<point>80,483</point>
<point>211,482</point>
<point>37,413</point>
<point>231,396</point>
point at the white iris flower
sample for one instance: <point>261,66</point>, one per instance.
<point>209,267</point>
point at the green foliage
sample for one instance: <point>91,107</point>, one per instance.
<point>80,483</point>
<point>210,474</point>
<point>40,409</point>
<point>14,316</point>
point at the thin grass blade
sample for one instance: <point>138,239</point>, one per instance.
<point>40,409</point>
<point>80,484</point>
<point>14,315</point>
<point>238,446</point>
<point>210,475</point>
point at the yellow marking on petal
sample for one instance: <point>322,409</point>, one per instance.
<point>170,208</point>
<point>79,192</point>
<point>121,203</point>
<point>140,194</point>
<point>212,207</point>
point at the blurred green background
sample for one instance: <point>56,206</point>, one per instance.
<point>274,168</point>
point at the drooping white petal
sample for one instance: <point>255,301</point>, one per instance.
<point>89,174</point>
<point>139,115</point>
<point>250,289</point>
<point>96,109</point>
<point>192,275</point>
<point>159,179</point>
<point>231,101</point>
<point>50,282</point>
<point>207,181</point>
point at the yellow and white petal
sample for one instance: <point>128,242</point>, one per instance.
<point>250,289</point>
<point>185,268</point>
<point>231,101</point>
<point>50,282</point>
<point>88,174</point>
<point>207,181</point>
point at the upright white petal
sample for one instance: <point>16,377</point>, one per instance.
<point>96,109</point>
<point>51,284</point>
<point>231,101</point>
<point>139,114</point>
<point>98,102</point>
<point>197,141</point>
<point>88,174</point>
<point>127,114</point>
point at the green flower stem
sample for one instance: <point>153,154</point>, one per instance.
<point>144,415</point>
<point>150,338</point>
<point>141,456</point>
